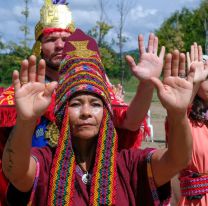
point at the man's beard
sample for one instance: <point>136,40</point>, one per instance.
<point>51,65</point>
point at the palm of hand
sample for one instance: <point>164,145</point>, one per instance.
<point>200,73</point>
<point>176,94</point>
<point>150,65</point>
<point>30,100</point>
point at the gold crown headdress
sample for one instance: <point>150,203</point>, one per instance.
<point>54,14</point>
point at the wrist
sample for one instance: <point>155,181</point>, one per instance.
<point>177,116</point>
<point>147,85</point>
<point>21,121</point>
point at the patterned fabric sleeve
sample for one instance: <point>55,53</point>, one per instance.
<point>139,174</point>
<point>35,181</point>
<point>17,198</point>
<point>154,190</point>
<point>38,193</point>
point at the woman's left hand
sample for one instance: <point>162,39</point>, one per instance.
<point>150,63</point>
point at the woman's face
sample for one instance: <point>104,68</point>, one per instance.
<point>85,115</point>
<point>203,91</point>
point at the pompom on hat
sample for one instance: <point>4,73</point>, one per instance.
<point>54,16</point>
<point>82,71</point>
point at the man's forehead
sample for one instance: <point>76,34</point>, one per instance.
<point>56,34</point>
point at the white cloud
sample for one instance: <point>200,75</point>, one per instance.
<point>85,19</point>
<point>145,17</point>
<point>140,12</point>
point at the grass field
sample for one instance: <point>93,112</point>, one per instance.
<point>130,87</point>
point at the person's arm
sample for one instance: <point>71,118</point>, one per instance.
<point>150,65</point>
<point>138,107</point>
<point>175,94</point>
<point>32,98</point>
<point>18,165</point>
<point>168,162</point>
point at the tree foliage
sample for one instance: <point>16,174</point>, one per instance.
<point>10,59</point>
<point>183,28</point>
<point>108,55</point>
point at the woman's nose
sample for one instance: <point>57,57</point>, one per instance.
<point>86,111</point>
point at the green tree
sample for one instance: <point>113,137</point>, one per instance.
<point>2,46</point>
<point>11,60</point>
<point>99,32</point>
<point>183,28</point>
<point>108,55</point>
<point>25,28</point>
<point>123,7</point>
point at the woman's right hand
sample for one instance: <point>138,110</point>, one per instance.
<point>32,94</point>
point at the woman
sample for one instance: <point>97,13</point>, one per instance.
<point>85,168</point>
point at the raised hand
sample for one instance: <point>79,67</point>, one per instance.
<point>32,95</point>
<point>175,92</point>
<point>150,64</point>
<point>195,59</point>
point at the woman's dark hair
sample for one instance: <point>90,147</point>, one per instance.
<point>198,111</point>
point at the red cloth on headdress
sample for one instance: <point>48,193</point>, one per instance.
<point>48,31</point>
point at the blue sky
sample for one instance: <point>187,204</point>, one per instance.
<point>144,17</point>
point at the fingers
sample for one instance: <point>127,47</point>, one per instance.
<point>29,71</point>
<point>182,66</point>
<point>190,76</point>
<point>41,71</point>
<point>16,80</point>
<point>175,63</point>
<point>155,45</point>
<point>200,53</point>
<point>152,44</point>
<point>188,60</point>
<point>130,62</point>
<point>196,53</point>
<point>167,66</point>
<point>141,44</point>
<point>162,53</point>
<point>49,89</point>
<point>192,53</point>
<point>32,68</point>
<point>24,71</point>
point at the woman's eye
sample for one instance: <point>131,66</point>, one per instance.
<point>97,105</point>
<point>74,104</point>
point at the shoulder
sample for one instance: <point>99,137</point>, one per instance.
<point>134,157</point>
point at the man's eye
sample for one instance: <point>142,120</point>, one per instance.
<point>49,40</point>
<point>64,39</point>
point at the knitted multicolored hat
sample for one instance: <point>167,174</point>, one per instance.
<point>81,71</point>
<point>54,16</point>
